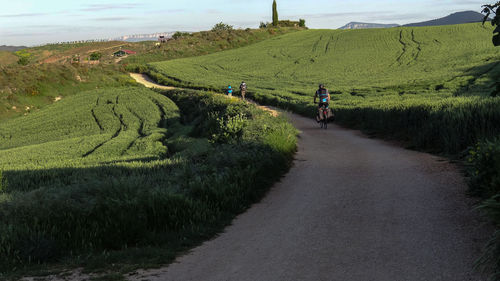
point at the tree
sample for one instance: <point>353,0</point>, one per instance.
<point>302,22</point>
<point>275,13</point>
<point>222,27</point>
<point>95,56</point>
<point>493,9</point>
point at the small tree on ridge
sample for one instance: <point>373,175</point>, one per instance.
<point>275,13</point>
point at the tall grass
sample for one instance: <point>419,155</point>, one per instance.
<point>223,156</point>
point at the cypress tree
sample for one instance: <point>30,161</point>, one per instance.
<point>275,13</point>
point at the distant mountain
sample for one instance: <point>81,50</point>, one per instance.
<point>142,37</point>
<point>456,18</point>
<point>363,25</point>
<point>11,48</point>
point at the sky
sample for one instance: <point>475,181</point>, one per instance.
<point>36,22</point>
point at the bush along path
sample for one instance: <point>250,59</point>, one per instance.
<point>351,208</point>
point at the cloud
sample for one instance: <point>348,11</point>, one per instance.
<point>106,7</point>
<point>213,12</point>
<point>24,15</point>
<point>113,18</point>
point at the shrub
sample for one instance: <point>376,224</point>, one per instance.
<point>222,27</point>
<point>264,25</point>
<point>302,22</point>
<point>484,168</point>
<point>3,182</point>
<point>24,57</point>
<point>95,56</point>
<point>179,34</point>
<point>484,180</point>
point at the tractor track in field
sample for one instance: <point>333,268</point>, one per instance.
<point>123,127</point>
<point>419,46</point>
<point>411,49</point>
<point>95,116</point>
<point>398,60</point>
<point>96,120</point>
<point>140,131</point>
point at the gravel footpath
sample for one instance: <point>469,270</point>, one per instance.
<point>351,208</point>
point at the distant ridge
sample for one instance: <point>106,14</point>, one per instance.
<point>12,48</point>
<point>455,18</point>
<point>363,25</point>
<point>142,37</point>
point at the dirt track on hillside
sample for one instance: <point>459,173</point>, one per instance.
<point>351,208</point>
<point>148,82</point>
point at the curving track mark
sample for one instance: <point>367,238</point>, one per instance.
<point>419,46</point>
<point>327,48</point>
<point>398,60</point>
<point>123,127</point>
<point>96,120</point>
<point>140,131</point>
<point>315,46</point>
<point>95,117</point>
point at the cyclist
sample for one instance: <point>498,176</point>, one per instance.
<point>324,100</point>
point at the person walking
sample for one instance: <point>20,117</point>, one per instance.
<point>229,91</point>
<point>243,89</point>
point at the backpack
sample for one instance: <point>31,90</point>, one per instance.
<point>323,95</point>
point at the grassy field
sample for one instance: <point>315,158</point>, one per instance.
<point>432,60</point>
<point>376,77</point>
<point>26,89</point>
<point>108,125</point>
<point>199,43</point>
<point>122,178</point>
<point>50,73</point>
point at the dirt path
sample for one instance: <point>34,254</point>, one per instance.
<point>351,208</point>
<point>148,82</point>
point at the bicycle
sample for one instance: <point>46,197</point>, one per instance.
<point>323,123</point>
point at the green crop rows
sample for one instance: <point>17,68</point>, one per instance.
<point>90,128</point>
<point>125,177</point>
<point>365,60</point>
<point>377,78</point>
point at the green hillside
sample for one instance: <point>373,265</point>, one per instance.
<point>385,80</point>
<point>383,59</point>
<point>122,178</point>
<point>89,128</point>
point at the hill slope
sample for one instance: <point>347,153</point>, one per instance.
<point>374,60</point>
<point>455,18</point>
<point>88,129</point>
<point>383,80</point>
